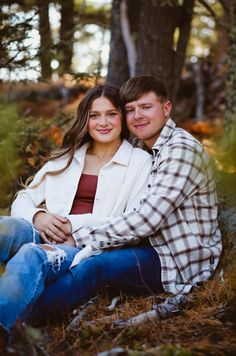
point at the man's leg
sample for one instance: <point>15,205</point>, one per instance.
<point>25,276</point>
<point>13,234</point>
<point>132,270</point>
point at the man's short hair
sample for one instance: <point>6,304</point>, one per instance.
<point>135,87</point>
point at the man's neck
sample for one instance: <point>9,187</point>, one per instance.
<point>149,143</point>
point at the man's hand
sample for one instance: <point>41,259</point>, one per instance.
<point>70,241</point>
<point>52,227</point>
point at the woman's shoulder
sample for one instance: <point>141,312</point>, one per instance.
<point>56,163</point>
<point>141,152</point>
<point>137,154</point>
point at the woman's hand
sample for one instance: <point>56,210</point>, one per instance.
<point>52,227</point>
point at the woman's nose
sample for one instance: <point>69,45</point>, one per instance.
<point>103,120</point>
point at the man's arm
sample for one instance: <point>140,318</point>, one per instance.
<point>179,175</point>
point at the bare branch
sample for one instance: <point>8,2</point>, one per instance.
<point>225,6</point>
<point>212,13</point>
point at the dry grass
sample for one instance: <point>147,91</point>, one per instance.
<point>201,328</point>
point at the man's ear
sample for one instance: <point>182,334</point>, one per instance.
<point>167,108</point>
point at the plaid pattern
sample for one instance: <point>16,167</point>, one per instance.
<point>178,214</point>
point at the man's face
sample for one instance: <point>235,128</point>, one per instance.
<point>146,117</point>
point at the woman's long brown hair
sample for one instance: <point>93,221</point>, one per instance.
<point>77,134</point>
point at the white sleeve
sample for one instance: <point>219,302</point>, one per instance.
<point>81,220</point>
<point>27,201</point>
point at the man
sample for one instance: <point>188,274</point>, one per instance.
<point>179,213</point>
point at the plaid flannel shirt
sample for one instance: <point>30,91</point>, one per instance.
<point>178,213</point>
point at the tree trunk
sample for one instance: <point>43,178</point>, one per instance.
<point>66,35</point>
<point>156,46</point>
<point>45,39</point>
<point>118,69</point>
<point>230,115</point>
<point>152,25</point>
<point>184,34</point>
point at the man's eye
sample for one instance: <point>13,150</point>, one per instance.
<point>128,111</point>
<point>146,107</point>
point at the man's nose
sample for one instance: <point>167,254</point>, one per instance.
<point>138,113</point>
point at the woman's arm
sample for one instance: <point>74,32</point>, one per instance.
<point>26,206</point>
<point>28,200</point>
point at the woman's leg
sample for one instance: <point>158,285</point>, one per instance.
<point>132,270</point>
<point>25,276</point>
<point>13,234</point>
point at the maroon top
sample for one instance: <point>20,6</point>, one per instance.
<point>84,197</point>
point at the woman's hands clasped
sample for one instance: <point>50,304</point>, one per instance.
<point>53,228</point>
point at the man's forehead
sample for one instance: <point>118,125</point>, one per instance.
<point>144,98</point>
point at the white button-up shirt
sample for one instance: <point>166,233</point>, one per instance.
<point>120,185</point>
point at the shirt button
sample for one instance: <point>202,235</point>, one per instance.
<point>83,246</point>
<point>149,185</point>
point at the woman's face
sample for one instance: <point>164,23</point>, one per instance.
<point>104,124</point>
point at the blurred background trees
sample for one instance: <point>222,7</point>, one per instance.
<point>52,50</point>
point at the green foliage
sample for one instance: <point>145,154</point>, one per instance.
<point>10,126</point>
<point>24,143</point>
<point>205,31</point>
<point>227,156</point>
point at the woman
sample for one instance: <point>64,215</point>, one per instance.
<point>95,171</point>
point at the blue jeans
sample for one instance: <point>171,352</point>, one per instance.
<point>13,234</point>
<point>131,270</point>
<point>34,270</point>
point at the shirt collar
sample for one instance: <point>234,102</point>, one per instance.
<point>122,156</point>
<point>165,134</point>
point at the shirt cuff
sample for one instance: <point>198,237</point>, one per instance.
<point>30,216</point>
<point>82,237</point>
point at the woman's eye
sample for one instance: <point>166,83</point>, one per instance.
<point>112,114</point>
<point>93,116</point>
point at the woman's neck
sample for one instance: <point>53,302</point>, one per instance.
<point>102,150</point>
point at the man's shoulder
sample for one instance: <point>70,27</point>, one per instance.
<point>183,139</point>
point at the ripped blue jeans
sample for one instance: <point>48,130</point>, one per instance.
<point>15,232</point>
<point>26,276</point>
<point>38,283</point>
